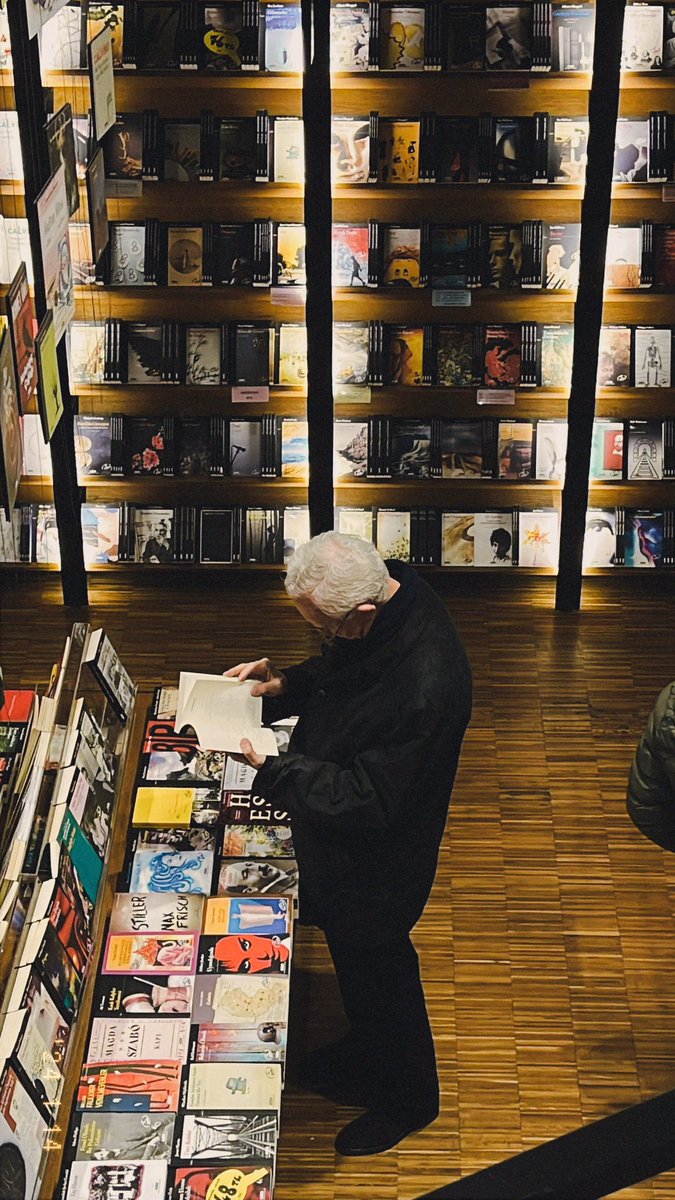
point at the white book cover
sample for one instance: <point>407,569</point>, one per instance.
<point>40,13</point>
<point>538,534</point>
<point>493,539</point>
<point>551,448</point>
<point>296,529</point>
<point>140,912</point>
<point>222,712</point>
<point>289,151</point>
<point>240,999</point>
<point>37,457</point>
<point>222,1086</point>
<point>653,349</point>
<point>642,42</point>
<point>60,40</point>
<point>152,1039</point>
<point>392,536</point>
<point>356,521</point>
<point>457,539</point>
<point>53,216</point>
<point>600,538</point>
<point>11,162</point>
<point>623,256</point>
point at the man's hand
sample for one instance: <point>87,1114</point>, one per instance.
<point>273,682</point>
<point>253,759</point>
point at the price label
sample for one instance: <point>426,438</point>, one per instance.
<point>449,298</point>
<point>250,395</point>
<point>495,396</point>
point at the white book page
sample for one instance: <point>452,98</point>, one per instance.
<point>222,712</point>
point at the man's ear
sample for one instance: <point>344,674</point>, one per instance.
<point>366,607</point>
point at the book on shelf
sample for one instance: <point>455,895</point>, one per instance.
<point>222,1137</point>
<point>105,1136</point>
<point>10,428</point>
<point>572,35</point>
<point>109,671</point>
<point>281,32</point>
<point>600,538</point>
<point>116,1039</point>
<point>61,148</point>
<point>652,354</point>
<point>538,536</point>
<point>214,1087</point>
<point>198,1182</point>
<point>642,40</point>
<point>508,37</point>
<point>398,150</point>
<point>139,912</point>
<point>402,32</point>
<point>350,26</point>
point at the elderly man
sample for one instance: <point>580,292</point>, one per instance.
<point>367,780</point>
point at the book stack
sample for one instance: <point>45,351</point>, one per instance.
<point>181,1083</point>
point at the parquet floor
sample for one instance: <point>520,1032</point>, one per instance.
<point>548,947</point>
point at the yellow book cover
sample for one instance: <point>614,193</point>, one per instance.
<point>399,151</point>
<point>165,807</point>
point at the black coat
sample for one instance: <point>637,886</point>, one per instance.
<point>370,767</point>
<point>651,783</point>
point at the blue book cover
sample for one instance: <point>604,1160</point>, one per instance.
<point>86,861</point>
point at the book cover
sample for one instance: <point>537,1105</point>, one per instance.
<point>356,521</point>
<point>561,270</point>
<point>172,871</point>
<point>631,150</point>
<point>402,37</point>
<point>10,428</point>
<point>296,528</point>
<point>508,37</point>
<point>102,81</point>
<point>642,41</point>
<point>644,449</point>
<point>23,1134</point>
<point>607,450</point>
<point>158,30</point>
<point>457,539</point>
<point>614,356</point>
<point>502,356</point>
<point>240,1000</point>
<point>253,363</point>
<point>557,349</point>
<point>538,534</point>
<point>86,353</point>
<point>245,447</point>
<point>349,36</point>
<point>455,356</point>
<point>493,539</point>
<point>61,147</point>
<point>141,912</point>
<point>466,38</point>
<point>401,256</point>
<point>398,151</point>
<point>127,254</point>
<point>568,150</point>
<point>110,16</point>
<point>669,39</point>
<point>71,915</point>
<point>150,953</point>
<point>512,157</point>
<point>392,534</point>
<point>54,966</point>
<point>249,954</point>
<point>551,449</point>
<point>87,862</point>
<point>652,356</point>
<point>462,449</point>
<point>265,1042</point>
<point>37,459</point>
<point>41,1048</point>
<point>194,451</point>
<point>294,450</point>
<point>153,534</point>
<point>182,145</point>
<point>514,449</point>
<point>165,806</point>
<point>93,444</point>
<point>53,214</point>
<point>503,256</point>
<point>234,255</point>
<point>457,150</point>
<point>237,148</point>
<point>244,807</point>
<point>623,256</point>
<point>282,37</point>
<point>191,765</point>
<point>216,533</point>
<point>350,353</point>
<point>410,449</point>
<point>643,538</point>
<point>664,256</point>
<point>350,149</point>
<point>22,324</point>
<point>203,1183</point>
<point>218,1137</point>
<point>572,29</point>
<point>185,253</point>
<point>600,538</point>
<point>132,996</point>
<point>288,150</point>
<point>104,1136</point>
<point>122,1039</point>
<point>218,1087</point>
<point>50,399</point>
<point>270,916</point>
<point>290,255</point>
<point>449,256</point>
<point>139,1086</point>
<point>123,147</point>
<point>405,355</point>
<point>221,37</point>
<point>350,451</point>
<point>350,255</point>
<point>203,355</point>
<point>145,445</point>
<point>292,370</point>
<point>81,254</point>
<point>100,541</point>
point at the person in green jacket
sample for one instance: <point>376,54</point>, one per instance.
<point>651,783</point>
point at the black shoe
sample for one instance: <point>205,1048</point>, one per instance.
<point>376,1131</point>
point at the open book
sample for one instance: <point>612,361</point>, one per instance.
<point>222,712</point>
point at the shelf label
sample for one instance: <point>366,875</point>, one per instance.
<point>125,189</point>
<point>250,395</point>
<point>352,393</point>
<point>449,298</point>
<point>288,295</point>
<point>495,396</point>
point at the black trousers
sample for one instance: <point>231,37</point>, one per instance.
<point>384,1002</point>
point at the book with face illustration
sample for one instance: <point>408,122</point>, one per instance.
<point>167,870</point>
<point>150,953</point>
<point>244,954</point>
<point>493,539</point>
<point>106,1136</point>
<point>249,876</point>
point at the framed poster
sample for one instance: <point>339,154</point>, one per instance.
<point>52,210</point>
<point>50,400</point>
<point>102,82</point>
<point>10,428</point>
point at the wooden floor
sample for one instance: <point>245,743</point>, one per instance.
<point>548,947</point>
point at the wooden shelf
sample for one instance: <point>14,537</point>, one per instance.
<point>224,95</point>
<point>183,304</point>
<point>653,493</point>
<point>449,493</point>
<point>227,199</point>
<point>183,401</point>
<point>197,490</point>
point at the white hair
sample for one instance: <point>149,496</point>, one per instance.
<point>337,572</point>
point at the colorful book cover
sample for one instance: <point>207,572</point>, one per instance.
<point>104,1136</point>
<point>123,1039</point>
<point>514,449</point>
<point>165,806</point>
<point>401,256</point>
<point>401,38</point>
<point>557,348</point>
<point>71,915</point>
<point>569,150</point>
<point>193,766</point>
<point>290,255</point>
<point>207,1183</point>
<point>398,151</point>
<point>292,361</point>
<point>220,1137</point>
<point>240,1000</point>
<point>217,1087</point>
<point>349,36</point>
<point>502,356</point>
<point>85,859</point>
<point>258,876</point>
<point>254,915</point>
<point>644,538</point>
<point>455,356</point>
<point>538,535</point>
<point>262,1042</point>
<point>150,953</point>
<point>137,995</point>
<point>607,450</point>
<point>405,358</point>
<point>140,912</point>
<point>350,255</point>
<point>54,965</point>
<point>294,450</point>
<point>141,1086</point>
<point>236,954</point>
<point>172,871</point>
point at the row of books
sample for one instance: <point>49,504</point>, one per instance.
<point>190,1009</point>
<point>55,949</point>
<point>364,35</point>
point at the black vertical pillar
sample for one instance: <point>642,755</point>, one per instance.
<point>595,216</point>
<point>30,107</point>
<point>316,112</point>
